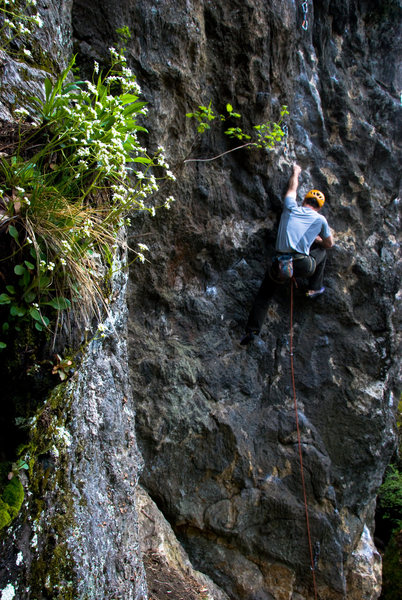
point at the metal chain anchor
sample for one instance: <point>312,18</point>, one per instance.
<point>305,11</point>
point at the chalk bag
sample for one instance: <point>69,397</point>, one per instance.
<point>284,267</point>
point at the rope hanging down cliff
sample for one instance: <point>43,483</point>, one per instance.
<point>312,560</point>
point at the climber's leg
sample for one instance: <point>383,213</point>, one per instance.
<point>316,281</point>
<point>259,309</point>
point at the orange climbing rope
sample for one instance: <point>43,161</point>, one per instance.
<point>299,441</point>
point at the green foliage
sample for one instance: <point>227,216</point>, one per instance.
<point>268,134</point>
<point>124,34</point>
<point>390,497</point>
<point>11,500</point>
<point>204,115</point>
<point>68,190</point>
<point>265,135</point>
<point>5,518</point>
<point>13,495</point>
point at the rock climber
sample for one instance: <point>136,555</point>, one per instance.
<point>303,234</point>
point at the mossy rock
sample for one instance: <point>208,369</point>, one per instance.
<point>5,517</point>
<point>13,494</point>
<point>11,501</point>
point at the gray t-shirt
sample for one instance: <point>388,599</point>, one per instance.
<point>298,227</point>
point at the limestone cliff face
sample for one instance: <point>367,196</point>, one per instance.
<point>215,423</point>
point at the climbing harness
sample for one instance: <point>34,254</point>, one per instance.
<point>305,12</point>
<point>313,559</point>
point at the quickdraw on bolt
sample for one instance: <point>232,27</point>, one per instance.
<point>305,11</point>
<point>286,135</point>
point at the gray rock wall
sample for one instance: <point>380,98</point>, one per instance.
<point>215,423</point>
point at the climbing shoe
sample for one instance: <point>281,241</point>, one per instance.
<point>250,335</point>
<point>315,293</point>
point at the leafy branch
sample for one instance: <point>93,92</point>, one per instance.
<point>265,135</point>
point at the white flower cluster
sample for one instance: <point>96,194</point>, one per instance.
<point>125,78</point>
<point>66,245</point>
<point>102,329</point>
<point>45,266</point>
<point>161,161</point>
<point>100,127</point>
<point>140,255</point>
<point>168,202</point>
<point>87,228</point>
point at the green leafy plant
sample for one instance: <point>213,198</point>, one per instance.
<point>11,501</point>
<point>11,493</point>
<point>204,115</point>
<point>265,135</point>
<point>390,497</point>
<point>124,35</point>
<point>68,189</point>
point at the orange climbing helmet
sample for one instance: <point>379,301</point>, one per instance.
<point>317,195</point>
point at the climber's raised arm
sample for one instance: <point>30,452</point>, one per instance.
<point>294,181</point>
